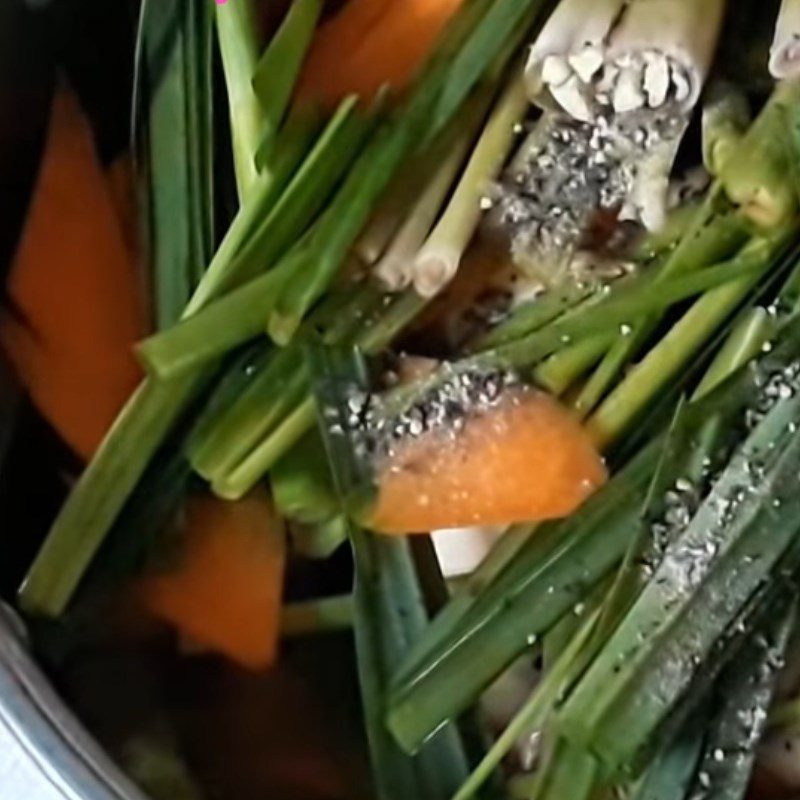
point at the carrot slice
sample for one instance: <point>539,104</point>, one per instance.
<point>225,591</point>
<point>345,31</point>
<point>76,288</point>
<point>371,43</point>
<point>526,459</point>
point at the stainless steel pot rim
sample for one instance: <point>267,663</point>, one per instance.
<point>45,753</point>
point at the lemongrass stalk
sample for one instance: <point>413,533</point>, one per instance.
<point>784,60</point>
<point>747,339</point>
<point>275,75</point>
<point>240,480</point>
<point>684,31</point>
<point>386,221</point>
<point>396,204</point>
<point>238,44</point>
<point>573,25</point>
<point>624,55</point>
<point>398,201</point>
<point>440,256</point>
<point>561,370</point>
<point>760,176</point>
<point>726,118</point>
<point>649,194</point>
<point>312,617</point>
<point>394,269</point>
<point>677,347</point>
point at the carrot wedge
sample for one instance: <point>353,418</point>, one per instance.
<point>526,459</point>
<point>224,592</point>
<point>372,43</point>
<point>346,30</point>
<point>76,289</point>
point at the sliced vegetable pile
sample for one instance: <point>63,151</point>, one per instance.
<point>467,264</point>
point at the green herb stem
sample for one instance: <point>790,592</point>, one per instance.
<point>747,338</point>
<point>677,347</point>
<point>240,480</point>
<point>277,71</point>
<point>562,369</point>
<point>238,44</point>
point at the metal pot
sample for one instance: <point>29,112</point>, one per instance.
<point>45,753</point>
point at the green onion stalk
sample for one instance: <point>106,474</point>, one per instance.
<point>743,694</point>
<point>312,617</point>
<point>212,328</point>
<point>710,236</point>
<point>238,45</point>
<point>276,73</point>
<point>173,137</point>
<point>770,443</point>
<point>567,668</point>
<point>686,338</point>
<point>441,92</point>
<point>257,452</point>
<point>151,412</point>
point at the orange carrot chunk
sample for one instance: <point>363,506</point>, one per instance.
<point>526,459</point>
<point>372,43</point>
<point>77,290</point>
<point>224,592</point>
